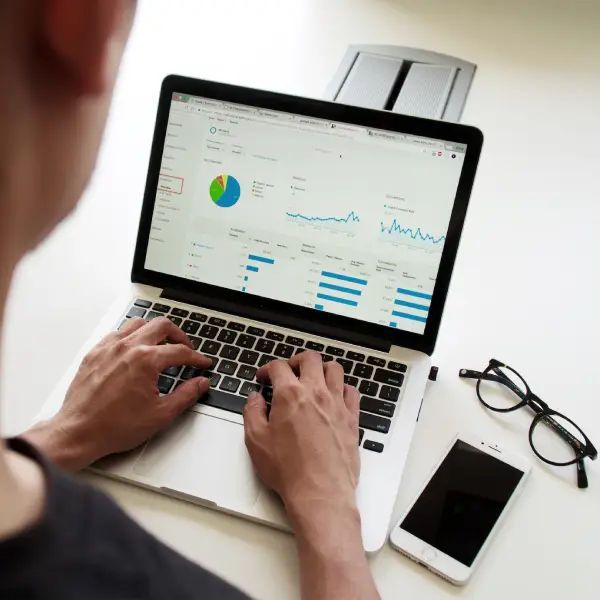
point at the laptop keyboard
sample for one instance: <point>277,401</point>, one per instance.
<point>237,351</point>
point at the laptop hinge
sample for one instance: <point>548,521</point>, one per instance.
<point>287,321</point>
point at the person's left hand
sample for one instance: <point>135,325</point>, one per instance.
<point>113,404</point>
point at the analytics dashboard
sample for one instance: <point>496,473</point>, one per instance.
<point>326,215</point>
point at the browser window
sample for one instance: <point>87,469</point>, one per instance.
<point>330,216</point>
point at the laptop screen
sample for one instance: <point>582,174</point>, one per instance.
<point>334,217</point>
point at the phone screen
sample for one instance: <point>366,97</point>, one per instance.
<point>457,510</point>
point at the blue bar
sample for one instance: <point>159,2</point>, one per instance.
<point>261,259</point>
<point>251,268</point>
<point>319,306</point>
<point>415,294</point>
<point>244,289</point>
<point>411,317</point>
<point>412,305</point>
<point>246,278</point>
<point>339,288</point>
<point>344,278</point>
<point>340,300</point>
<point>393,324</point>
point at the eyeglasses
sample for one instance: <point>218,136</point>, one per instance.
<point>553,437</point>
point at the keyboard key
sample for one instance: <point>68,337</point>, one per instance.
<point>294,341</point>
<point>355,356</point>
<point>227,367</point>
<point>377,407</point>
<point>265,346</point>
<point>190,373</point>
<point>179,312</point>
<point>327,358</point>
<point>246,341</point>
<point>216,321</point>
<point>235,326</point>
<point>265,359</point>
<point>353,381</point>
<point>396,366</point>
<point>190,327</point>
<point>175,320</point>
<point>315,346</point>
<point>364,371</point>
<point>248,388</point>
<point>374,446</point>
<point>284,351</point>
<point>335,351</point>
<point>135,311</point>
<point>172,371</point>
<point>273,335</point>
<point>210,347</point>
<point>361,433</point>
<point>223,400</point>
<point>165,384</point>
<point>195,342</point>
<point>214,362</point>
<point>389,393</point>
<point>389,377</point>
<point>152,315</point>
<point>378,362</point>
<point>227,336</point>
<point>246,372</point>
<point>346,365</point>
<point>214,378</point>
<point>256,331</point>
<point>300,350</point>
<point>368,387</point>
<point>268,394</point>
<point>198,317</point>
<point>143,303</point>
<point>230,352</point>
<point>161,308</point>
<point>209,331</point>
<point>229,384</point>
<point>374,422</point>
<point>249,357</point>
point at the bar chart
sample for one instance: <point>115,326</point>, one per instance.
<point>412,305</point>
<point>255,263</point>
<point>339,289</point>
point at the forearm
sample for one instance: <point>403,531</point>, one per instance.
<point>57,442</point>
<point>333,564</point>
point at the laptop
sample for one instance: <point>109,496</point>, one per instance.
<point>272,225</point>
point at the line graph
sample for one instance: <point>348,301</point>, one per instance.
<point>416,234</point>
<point>351,218</point>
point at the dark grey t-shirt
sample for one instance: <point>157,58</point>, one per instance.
<point>86,548</point>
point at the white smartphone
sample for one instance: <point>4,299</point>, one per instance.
<point>458,511</point>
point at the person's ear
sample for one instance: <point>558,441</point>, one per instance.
<point>79,35</point>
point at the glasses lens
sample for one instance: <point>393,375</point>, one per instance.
<point>557,439</point>
<point>501,388</point>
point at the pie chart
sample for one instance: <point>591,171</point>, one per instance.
<point>225,191</point>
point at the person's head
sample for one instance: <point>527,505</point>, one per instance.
<point>58,64</point>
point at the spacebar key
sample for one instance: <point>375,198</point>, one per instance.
<point>374,423</point>
<point>223,400</point>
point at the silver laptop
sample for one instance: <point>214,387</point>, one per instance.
<point>272,225</point>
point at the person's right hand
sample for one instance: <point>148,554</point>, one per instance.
<point>308,449</point>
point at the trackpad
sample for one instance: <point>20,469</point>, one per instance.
<point>204,457</point>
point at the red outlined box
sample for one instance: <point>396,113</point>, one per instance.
<point>170,183</point>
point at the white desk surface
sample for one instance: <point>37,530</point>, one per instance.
<point>524,288</point>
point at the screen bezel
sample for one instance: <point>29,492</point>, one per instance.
<point>363,333</point>
<point>444,564</point>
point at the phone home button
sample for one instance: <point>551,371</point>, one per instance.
<point>429,554</point>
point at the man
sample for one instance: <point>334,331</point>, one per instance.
<point>59,538</point>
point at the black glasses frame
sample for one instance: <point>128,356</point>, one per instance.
<point>542,412</point>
